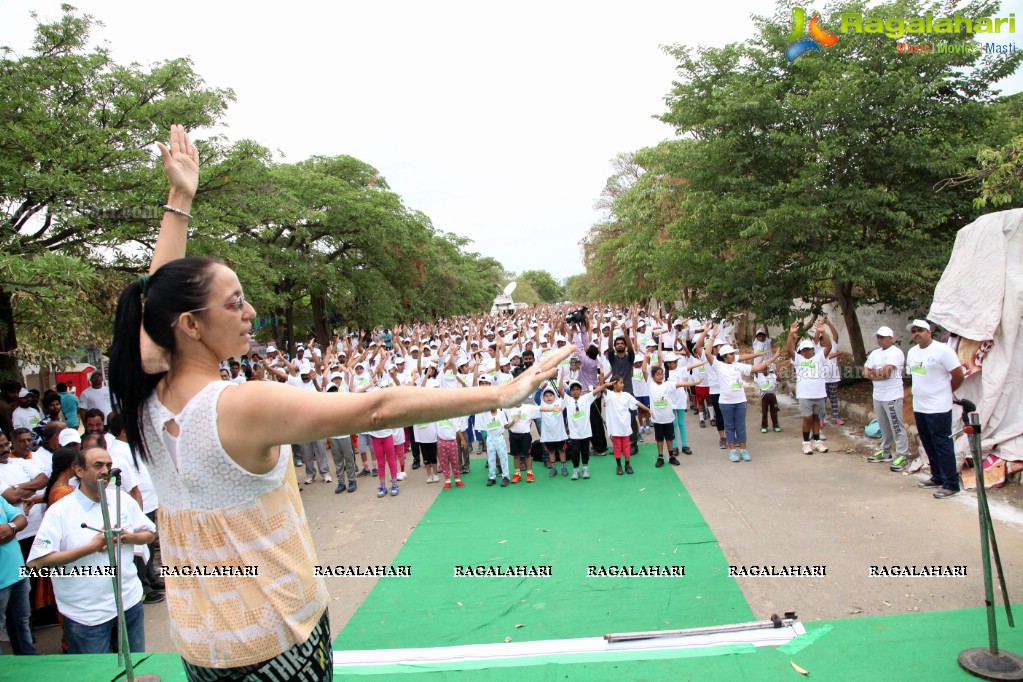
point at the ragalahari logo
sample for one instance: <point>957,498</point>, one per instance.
<point>818,36</point>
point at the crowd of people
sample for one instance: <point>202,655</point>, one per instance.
<point>198,442</point>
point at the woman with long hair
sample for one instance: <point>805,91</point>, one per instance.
<point>228,497</point>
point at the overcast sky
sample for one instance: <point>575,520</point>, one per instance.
<point>496,120</point>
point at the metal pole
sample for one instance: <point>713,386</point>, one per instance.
<point>113,553</point>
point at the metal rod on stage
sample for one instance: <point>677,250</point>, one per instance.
<point>775,622</point>
<point>113,538</point>
<point>989,663</point>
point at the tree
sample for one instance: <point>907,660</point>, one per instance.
<point>543,282</point>
<point>813,180</point>
<point>77,183</point>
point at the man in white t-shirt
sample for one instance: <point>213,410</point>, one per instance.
<point>809,365</point>
<point>936,374</point>
<point>884,368</point>
<point>97,396</point>
<point>86,600</point>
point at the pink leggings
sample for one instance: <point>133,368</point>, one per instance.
<point>621,446</point>
<point>383,448</point>
<point>447,456</point>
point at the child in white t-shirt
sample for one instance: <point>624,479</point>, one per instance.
<point>619,422</point>
<point>767,383</point>
<point>552,428</point>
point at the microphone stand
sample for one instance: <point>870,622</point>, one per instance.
<point>112,534</point>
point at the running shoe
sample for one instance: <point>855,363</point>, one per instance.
<point>777,429</point>
<point>880,457</point>
<point>516,478</point>
<point>529,477</point>
<point>945,492</point>
<point>586,472</point>
<point>564,471</point>
<point>328,479</point>
<point>628,468</point>
<point>722,444</point>
<point>340,488</point>
<point>401,476</point>
<point>807,448</point>
<point>686,450</point>
<point>673,461</point>
<point>763,429</point>
<point>381,491</point>
<point>491,481</point>
<point>660,462</point>
<point>929,483</point>
<point>733,456</point>
<point>819,446</point>
<point>553,471</point>
<point>351,486</point>
<point>505,482</point>
<point>703,424</point>
<point>375,472</point>
<point>745,455</point>
<point>364,472</point>
<point>575,474</point>
<point>899,463</point>
<point>310,479</point>
<point>618,470</point>
<point>394,488</point>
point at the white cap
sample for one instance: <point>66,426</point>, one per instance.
<point>305,367</point>
<point>474,343</point>
<point>719,342</point>
<point>507,360</point>
<point>651,342</point>
<point>884,331</point>
<point>574,383</point>
<point>23,392</point>
<point>462,360</point>
<point>921,324</point>
<point>726,349</point>
<point>413,349</point>
<point>762,330</point>
<point>271,349</point>
<point>399,360</point>
<point>670,357</point>
<point>807,343</point>
<point>515,354</point>
<point>639,358</point>
<point>559,337</point>
<point>678,323</point>
<point>483,379</point>
<point>605,326</point>
<point>336,375</point>
<point>68,436</point>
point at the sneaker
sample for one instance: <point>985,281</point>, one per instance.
<point>505,482</point>
<point>394,488</point>
<point>309,480</point>
<point>156,596</point>
<point>381,491</point>
<point>722,444</point>
<point>838,421</point>
<point>929,483</point>
<point>733,456</point>
<point>703,424</point>
<point>686,450</point>
<point>880,457</point>
<point>351,486</point>
<point>673,461</point>
<point>529,477</point>
<point>554,471</point>
<point>823,435</point>
<point>777,429</point>
<point>819,446</point>
<point>401,476</point>
<point>586,472</point>
<point>491,481</point>
<point>340,488</point>
<point>447,485</point>
<point>516,478</point>
<point>564,471</point>
<point>628,468</point>
<point>660,462</point>
<point>807,448</point>
<point>575,474</point>
<point>945,492</point>
<point>364,472</point>
<point>415,465</point>
<point>713,421</point>
<point>763,429</point>
<point>375,472</point>
<point>327,479</point>
<point>618,470</point>
<point>899,463</point>
<point>465,470</point>
<point>459,483</point>
<point>745,455</point>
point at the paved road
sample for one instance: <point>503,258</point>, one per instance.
<point>782,508</point>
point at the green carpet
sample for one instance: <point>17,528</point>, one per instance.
<point>640,520</point>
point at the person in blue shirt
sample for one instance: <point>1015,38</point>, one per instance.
<point>68,405</point>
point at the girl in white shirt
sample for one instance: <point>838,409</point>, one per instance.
<point>552,431</point>
<point>619,422</point>
<point>663,412</point>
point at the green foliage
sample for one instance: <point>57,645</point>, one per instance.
<point>543,282</point>
<point>814,180</point>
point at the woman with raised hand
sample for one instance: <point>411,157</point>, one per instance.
<point>228,495</point>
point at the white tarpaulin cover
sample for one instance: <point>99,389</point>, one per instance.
<point>980,297</point>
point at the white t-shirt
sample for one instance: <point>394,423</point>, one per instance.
<point>425,433</point>
<point>447,429</point>
<point>679,399</point>
<point>89,600</point>
<point>809,376</point>
<point>96,398</point>
<point>832,373</point>
<point>619,405</point>
<point>930,369</point>
<point>26,417</point>
<point>640,388</point>
<point>890,388</point>
<point>578,412</point>
<point>521,417</point>
<point>493,424</point>
<point>552,424</point>
<point>729,378</point>
<point>16,472</point>
<point>660,401</point>
<point>767,383</point>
